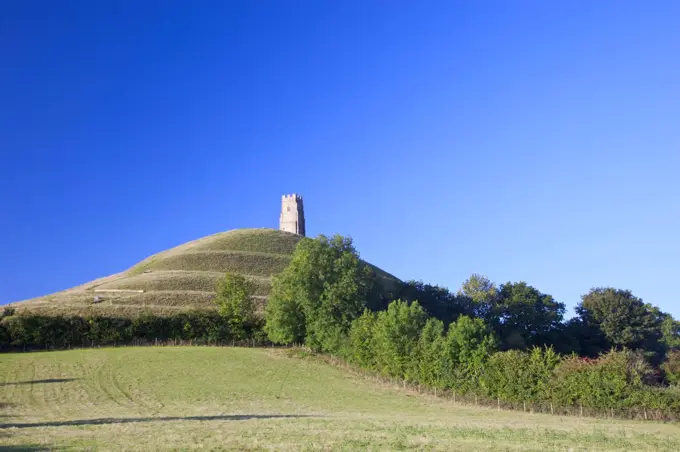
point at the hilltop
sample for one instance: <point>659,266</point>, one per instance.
<point>183,277</point>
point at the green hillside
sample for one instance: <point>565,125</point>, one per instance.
<point>212,398</point>
<point>183,277</point>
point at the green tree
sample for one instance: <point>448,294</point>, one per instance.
<point>622,317</point>
<point>437,301</point>
<point>235,303</point>
<point>671,367</point>
<point>319,294</point>
<point>526,315</point>
<point>670,332</point>
<point>469,343</point>
<point>361,340</point>
<point>396,336</point>
<point>429,355</point>
<point>482,295</point>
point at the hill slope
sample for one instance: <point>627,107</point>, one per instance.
<point>210,398</point>
<point>183,277</point>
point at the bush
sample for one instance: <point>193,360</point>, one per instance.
<point>30,331</point>
<point>469,342</point>
<point>518,377</point>
<point>611,381</point>
<point>234,299</point>
<point>361,339</point>
<point>428,355</point>
<point>671,367</point>
<point>395,338</point>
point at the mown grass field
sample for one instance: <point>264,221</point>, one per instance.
<point>186,398</point>
<point>180,278</point>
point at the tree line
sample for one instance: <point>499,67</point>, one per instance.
<point>508,343</point>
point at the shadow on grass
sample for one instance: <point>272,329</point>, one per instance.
<point>25,448</point>
<point>35,382</point>
<point>130,420</point>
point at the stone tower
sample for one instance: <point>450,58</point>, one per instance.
<point>292,214</point>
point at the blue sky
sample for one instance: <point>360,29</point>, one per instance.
<point>523,140</point>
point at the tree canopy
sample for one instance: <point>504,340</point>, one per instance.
<point>316,298</point>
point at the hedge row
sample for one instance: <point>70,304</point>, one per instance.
<point>402,342</point>
<point>30,331</point>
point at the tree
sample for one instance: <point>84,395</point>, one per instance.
<point>526,315</point>
<point>671,367</point>
<point>361,338</point>
<point>469,343</point>
<point>482,295</point>
<point>395,337</point>
<point>235,303</point>
<point>622,317</point>
<point>670,332</point>
<point>437,301</point>
<point>577,336</point>
<point>319,294</point>
<point>429,355</point>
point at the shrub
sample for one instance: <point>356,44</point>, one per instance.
<point>361,338</point>
<point>27,330</point>
<point>469,343</point>
<point>610,381</point>
<point>429,353</point>
<point>671,367</point>
<point>395,337</point>
<point>235,303</point>
<point>517,376</point>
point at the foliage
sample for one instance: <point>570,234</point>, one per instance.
<point>520,376</point>
<point>622,317</point>
<point>436,301</point>
<point>396,336</point>
<point>482,294</point>
<point>361,340</point>
<point>469,342</point>
<point>670,332</point>
<point>525,315</point>
<point>319,294</point>
<point>234,299</point>
<point>611,381</point>
<point>671,367</point>
<point>430,368</point>
<point>57,332</point>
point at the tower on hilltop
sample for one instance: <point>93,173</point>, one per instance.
<point>292,214</point>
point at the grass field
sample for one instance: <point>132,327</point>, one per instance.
<point>256,399</point>
<point>181,278</point>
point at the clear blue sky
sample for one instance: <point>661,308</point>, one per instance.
<point>524,140</point>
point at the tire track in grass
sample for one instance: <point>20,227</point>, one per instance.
<point>139,400</point>
<point>99,380</point>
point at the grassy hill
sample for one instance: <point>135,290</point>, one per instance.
<point>183,277</point>
<point>209,398</point>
